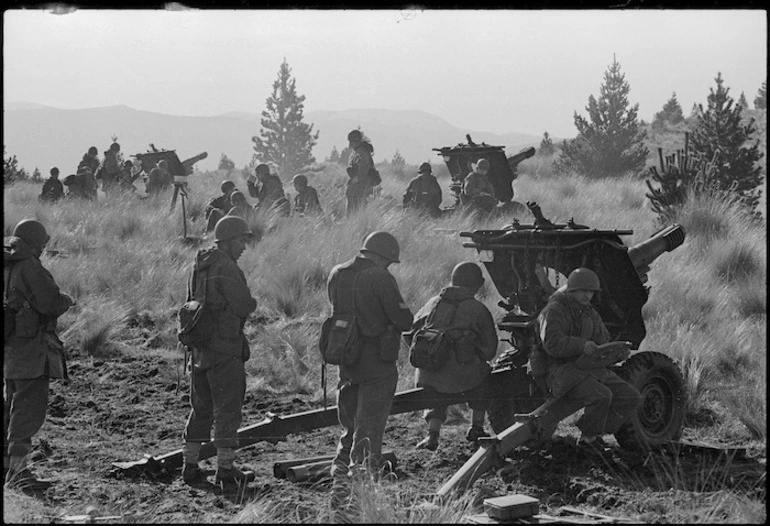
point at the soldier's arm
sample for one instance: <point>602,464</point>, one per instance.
<point>392,303</point>
<point>601,335</point>
<point>44,294</point>
<point>354,164</point>
<point>554,333</point>
<point>252,188</point>
<point>487,342</point>
<point>436,194</point>
<point>232,285</point>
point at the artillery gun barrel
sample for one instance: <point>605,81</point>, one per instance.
<point>526,153</point>
<point>188,163</point>
<point>648,251</point>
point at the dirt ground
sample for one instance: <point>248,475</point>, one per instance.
<point>120,408</point>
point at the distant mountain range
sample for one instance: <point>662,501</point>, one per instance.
<point>42,136</point>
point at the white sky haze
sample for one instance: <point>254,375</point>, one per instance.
<point>497,71</point>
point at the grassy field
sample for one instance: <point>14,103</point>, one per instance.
<point>124,263</point>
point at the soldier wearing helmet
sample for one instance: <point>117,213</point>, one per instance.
<point>306,201</point>
<point>85,184</point>
<point>270,193</point>
<point>53,189</point>
<point>220,205</point>
<point>471,327</point>
<point>360,171</point>
<point>218,377</point>
<point>159,179</point>
<point>33,353</point>
<point>110,170</point>
<point>366,388</point>
<point>127,177</point>
<point>241,207</point>
<point>570,327</point>
<point>478,191</point>
<point>424,193</point>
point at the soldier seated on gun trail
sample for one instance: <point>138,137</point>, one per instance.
<point>306,201</point>
<point>53,189</point>
<point>470,327</point>
<point>478,191</point>
<point>570,328</point>
<point>424,192</point>
<point>220,205</point>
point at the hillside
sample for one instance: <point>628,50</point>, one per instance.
<point>41,136</point>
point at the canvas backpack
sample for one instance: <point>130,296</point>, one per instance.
<point>340,333</point>
<point>196,322</point>
<point>431,346</point>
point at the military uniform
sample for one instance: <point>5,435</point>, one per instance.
<point>216,210</point>
<point>475,184</point>
<point>424,193</point>
<point>270,191</point>
<point>218,379</point>
<point>565,326</point>
<point>158,180</point>
<point>28,362</point>
<point>85,184</point>
<point>466,369</point>
<point>360,164</point>
<point>53,190</point>
<point>110,171</point>
<point>366,388</point>
<point>306,202</point>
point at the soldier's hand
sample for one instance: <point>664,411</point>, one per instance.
<point>591,349</point>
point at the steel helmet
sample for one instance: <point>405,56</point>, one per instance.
<point>93,151</point>
<point>425,168</point>
<point>583,279</point>
<point>482,163</point>
<point>262,169</point>
<point>54,171</point>
<point>237,198</point>
<point>230,227</point>
<point>115,147</point>
<point>467,274</point>
<point>355,136</point>
<point>32,232</point>
<point>383,244</point>
<point>300,180</point>
<point>226,185</point>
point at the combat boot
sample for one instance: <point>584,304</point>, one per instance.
<point>227,473</point>
<point>430,442</point>
<point>191,472</point>
<point>475,432</point>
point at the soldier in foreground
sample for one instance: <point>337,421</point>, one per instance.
<point>472,330</point>
<point>218,376</point>
<point>424,192</point>
<point>569,328</point>
<point>219,206</point>
<point>306,201</point>
<point>366,388</point>
<point>53,189</point>
<point>32,352</point>
<point>478,191</point>
<point>360,165</point>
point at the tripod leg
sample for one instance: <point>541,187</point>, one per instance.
<point>173,199</point>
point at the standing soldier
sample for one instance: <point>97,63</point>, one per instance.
<point>86,185</point>
<point>360,165</point>
<point>32,353</point>
<point>159,179</point>
<point>53,189</point>
<point>366,388</point>
<point>219,206</point>
<point>424,192</point>
<point>127,177</point>
<point>569,328</point>
<point>218,376</point>
<point>471,327</point>
<point>306,201</point>
<point>110,170</point>
<point>270,193</point>
<point>477,189</point>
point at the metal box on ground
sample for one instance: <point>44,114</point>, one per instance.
<point>511,507</point>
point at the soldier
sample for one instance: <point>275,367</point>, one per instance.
<point>360,166</point>
<point>85,184</point>
<point>33,353</point>
<point>477,189</point>
<point>472,329</point>
<point>127,177</point>
<point>53,189</point>
<point>241,208</point>
<point>218,377</point>
<point>306,201</point>
<point>270,193</point>
<point>366,388</point>
<point>110,169</point>
<point>159,179</point>
<point>569,328</point>
<point>219,206</point>
<point>424,192</point>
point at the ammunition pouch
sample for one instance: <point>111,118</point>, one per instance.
<point>340,340</point>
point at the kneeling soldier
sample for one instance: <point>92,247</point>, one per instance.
<point>471,326</point>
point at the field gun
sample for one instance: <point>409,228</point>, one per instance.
<point>188,163</point>
<point>526,263</point>
<point>502,170</point>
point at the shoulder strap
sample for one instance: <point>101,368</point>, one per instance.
<point>192,285</point>
<point>346,305</point>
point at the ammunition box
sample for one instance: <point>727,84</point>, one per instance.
<point>511,507</point>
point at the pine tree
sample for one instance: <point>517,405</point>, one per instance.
<point>285,139</point>
<point>398,160</point>
<point>547,147</point>
<point>670,115</point>
<point>334,157</point>
<point>717,130</point>
<point>37,177</point>
<point>11,170</point>
<point>742,101</point>
<point>612,143</point>
<point>760,101</point>
<point>226,164</point>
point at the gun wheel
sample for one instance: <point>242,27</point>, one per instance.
<point>660,417</point>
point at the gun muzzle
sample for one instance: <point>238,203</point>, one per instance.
<point>648,251</point>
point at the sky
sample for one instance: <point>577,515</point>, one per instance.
<point>490,70</point>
